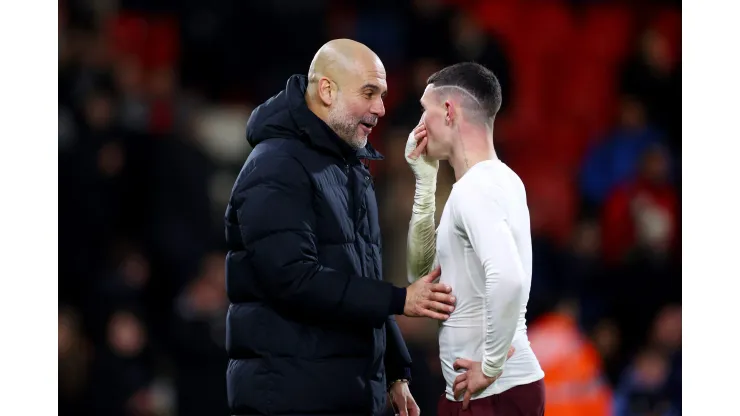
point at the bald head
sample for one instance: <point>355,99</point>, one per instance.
<point>339,59</point>
<point>346,86</point>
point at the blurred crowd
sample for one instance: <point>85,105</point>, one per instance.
<point>153,101</point>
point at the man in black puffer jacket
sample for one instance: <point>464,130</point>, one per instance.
<point>311,327</point>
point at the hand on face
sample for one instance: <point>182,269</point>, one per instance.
<point>424,168</point>
<point>417,142</point>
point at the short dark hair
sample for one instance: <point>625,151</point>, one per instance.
<point>475,79</point>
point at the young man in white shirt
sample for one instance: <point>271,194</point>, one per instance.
<point>483,246</point>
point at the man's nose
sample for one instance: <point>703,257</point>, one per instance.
<point>378,108</point>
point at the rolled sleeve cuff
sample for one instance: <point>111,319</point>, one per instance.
<point>398,374</point>
<point>398,302</point>
<point>490,370</point>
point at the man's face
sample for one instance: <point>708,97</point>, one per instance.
<point>358,106</point>
<point>439,131</point>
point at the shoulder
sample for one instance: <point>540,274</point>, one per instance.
<point>274,162</point>
<point>485,191</point>
<point>487,182</point>
<point>279,148</point>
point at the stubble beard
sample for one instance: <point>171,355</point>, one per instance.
<point>346,127</point>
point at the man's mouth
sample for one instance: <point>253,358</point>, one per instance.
<point>367,127</point>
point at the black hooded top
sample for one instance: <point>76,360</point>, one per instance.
<point>310,329</point>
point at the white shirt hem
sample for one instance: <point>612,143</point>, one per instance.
<point>500,388</point>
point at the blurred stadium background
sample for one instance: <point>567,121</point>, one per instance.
<point>153,100</point>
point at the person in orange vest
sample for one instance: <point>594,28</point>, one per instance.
<point>574,379</point>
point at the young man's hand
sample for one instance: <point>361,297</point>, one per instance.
<point>425,170</point>
<point>473,380</point>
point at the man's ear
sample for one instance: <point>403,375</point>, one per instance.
<point>326,91</point>
<point>450,115</point>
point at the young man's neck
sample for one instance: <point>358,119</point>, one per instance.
<point>477,147</point>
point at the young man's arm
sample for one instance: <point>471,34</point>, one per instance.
<point>479,215</point>
<point>422,235</point>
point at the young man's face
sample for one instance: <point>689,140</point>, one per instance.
<point>439,129</point>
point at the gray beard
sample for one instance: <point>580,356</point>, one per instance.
<point>347,130</point>
<point>358,143</point>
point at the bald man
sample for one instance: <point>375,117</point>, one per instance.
<point>311,327</point>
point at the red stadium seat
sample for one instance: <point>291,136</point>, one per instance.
<point>529,94</point>
<point>498,17</point>
<point>560,144</point>
<point>153,41</point>
<point>607,33</point>
<point>551,196</point>
<point>586,93</point>
<point>128,33</point>
<point>545,27</point>
<point>163,43</point>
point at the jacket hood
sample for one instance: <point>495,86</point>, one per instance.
<point>287,116</point>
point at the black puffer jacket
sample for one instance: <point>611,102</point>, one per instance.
<point>310,330</point>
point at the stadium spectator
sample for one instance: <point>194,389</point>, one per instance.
<point>615,158</point>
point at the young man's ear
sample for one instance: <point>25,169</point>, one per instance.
<point>449,112</point>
